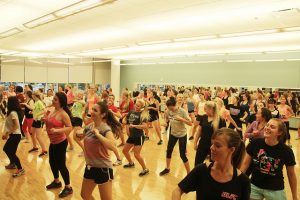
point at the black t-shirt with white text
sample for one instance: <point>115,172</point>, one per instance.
<point>236,112</point>
<point>268,163</point>
<point>201,181</point>
<point>134,118</point>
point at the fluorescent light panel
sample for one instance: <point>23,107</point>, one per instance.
<point>10,32</point>
<point>40,21</point>
<point>249,33</point>
<point>154,42</point>
<point>78,7</point>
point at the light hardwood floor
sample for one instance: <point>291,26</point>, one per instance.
<point>126,185</point>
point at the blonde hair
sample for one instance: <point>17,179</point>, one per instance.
<point>125,93</point>
<point>216,118</point>
<point>145,116</point>
<point>37,94</point>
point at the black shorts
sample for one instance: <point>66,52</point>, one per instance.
<point>37,124</point>
<point>136,141</point>
<point>99,175</point>
<point>76,121</point>
<point>190,111</point>
<point>153,118</point>
<point>199,118</point>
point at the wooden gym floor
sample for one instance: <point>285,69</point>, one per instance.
<point>126,184</point>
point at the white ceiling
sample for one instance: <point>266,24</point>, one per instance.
<point>122,25</point>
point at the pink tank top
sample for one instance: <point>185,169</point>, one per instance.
<point>55,138</point>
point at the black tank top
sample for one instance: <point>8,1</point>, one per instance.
<point>152,112</point>
<point>27,111</point>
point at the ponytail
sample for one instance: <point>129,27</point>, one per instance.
<point>115,126</point>
<point>238,155</point>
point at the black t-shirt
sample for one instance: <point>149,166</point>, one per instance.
<point>236,112</point>
<point>207,130</point>
<point>268,162</point>
<point>201,181</point>
<point>134,118</point>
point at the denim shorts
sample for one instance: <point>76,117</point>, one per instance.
<point>258,194</point>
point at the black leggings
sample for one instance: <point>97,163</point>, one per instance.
<point>182,147</point>
<point>240,125</point>
<point>287,124</point>
<point>201,154</point>
<point>10,148</point>
<point>57,160</point>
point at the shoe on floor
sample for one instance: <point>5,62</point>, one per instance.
<point>144,172</point>
<point>11,166</point>
<point>160,142</point>
<point>33,150</point>
<point>117,163</point>
<point>164,172</point>
<point>20,172</point>
<point>44,153</point>
<point>65,192</point>
<point>53,185</point>
<point>129,165</point>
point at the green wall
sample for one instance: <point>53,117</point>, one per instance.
<point>262,74</point>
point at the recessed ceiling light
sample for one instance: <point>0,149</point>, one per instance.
<point>10,32</point>
<point>40,21</point>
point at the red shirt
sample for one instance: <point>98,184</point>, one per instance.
<point>113,108</point>
<point>129,108</point>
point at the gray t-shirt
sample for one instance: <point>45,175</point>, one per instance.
<point>9,123</point>
<point>178,128</point>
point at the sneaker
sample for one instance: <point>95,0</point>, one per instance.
<point>11,166</point>
<point>65,192</point>
<point>164,172</point>
<point>20,172</point>
<point>117,163</point>
<point>191,138</point>
<point>160,142</point>
<point>144,172</point>
<point>33,150</point>
<point>146,138</point>
<point>53,185</point>
<point>129,165</point>
<point>44,153</point>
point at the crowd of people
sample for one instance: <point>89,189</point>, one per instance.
<point>221,122</point>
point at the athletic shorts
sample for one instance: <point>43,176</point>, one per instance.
<point>153,118</point>
<point>37,124</point>
<point>76,121</point>
<point>259,193</point>
<point>136,141</point>
<point>99,175</point>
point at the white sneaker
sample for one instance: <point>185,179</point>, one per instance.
<point>117,163</point>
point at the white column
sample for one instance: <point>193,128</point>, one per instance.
<point>115,79</point>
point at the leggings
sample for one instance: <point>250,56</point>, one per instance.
<point>201,153</point>
<point>10,148</point>
<point>182,147</point>
<point>57,160</point>
<point>240,125</point>
<point>287,124</point>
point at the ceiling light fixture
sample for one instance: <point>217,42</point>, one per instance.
<point>195,38</point>
<point>40,21</point>
<point>10,32</point>
<point>11,60</point>
<point>78,7</point>
<point>57,62</point>
<point>9,53</point>
<point>250,33</point>
<point>154,42</point>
